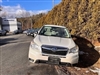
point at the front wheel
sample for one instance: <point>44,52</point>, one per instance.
<point>30,64</point>
<point>33,35</point>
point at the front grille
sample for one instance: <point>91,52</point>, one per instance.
<point>56,50</point>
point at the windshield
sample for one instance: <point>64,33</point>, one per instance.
<point>54,31</point>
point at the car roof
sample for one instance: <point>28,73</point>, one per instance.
<point>56,26</point>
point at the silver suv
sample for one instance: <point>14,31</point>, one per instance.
<point>53,44</point>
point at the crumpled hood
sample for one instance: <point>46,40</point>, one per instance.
<point>55,41</point>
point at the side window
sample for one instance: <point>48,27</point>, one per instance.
<point>43,31</point>
<point>67,33</point>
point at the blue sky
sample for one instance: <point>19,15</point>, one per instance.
<point>19,8</point>
<point>31,4</point>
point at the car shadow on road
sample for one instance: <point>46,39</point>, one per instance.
<point>88,56</point>
<point>5,41</point>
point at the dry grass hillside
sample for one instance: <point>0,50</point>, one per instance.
<point>82,17</point>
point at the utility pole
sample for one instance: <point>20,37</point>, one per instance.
<point>1,6</point>
<point>0,18</point>
<point>53,2</point>
<point>31,21</point>
<point>0,10</point>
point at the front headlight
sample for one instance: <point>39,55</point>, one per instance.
<point>34,46</point>
<point>74,49</point>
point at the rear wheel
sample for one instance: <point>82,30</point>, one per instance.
<point>5,34</point>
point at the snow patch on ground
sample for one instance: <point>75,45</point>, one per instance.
<point>87,71</point>
<point>77,68</point>
<point>97,48</point>
<point>96,70</point>
<point>81,53</point>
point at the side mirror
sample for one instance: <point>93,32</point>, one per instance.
<point>35,34</point>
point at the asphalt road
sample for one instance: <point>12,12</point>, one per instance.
<point>14,57</point>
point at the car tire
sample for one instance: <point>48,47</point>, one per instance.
<point>27,34</point>
<point>33,35</point>
<point>5,34</point>
<point>30,64</point>
<point>75,65</point>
